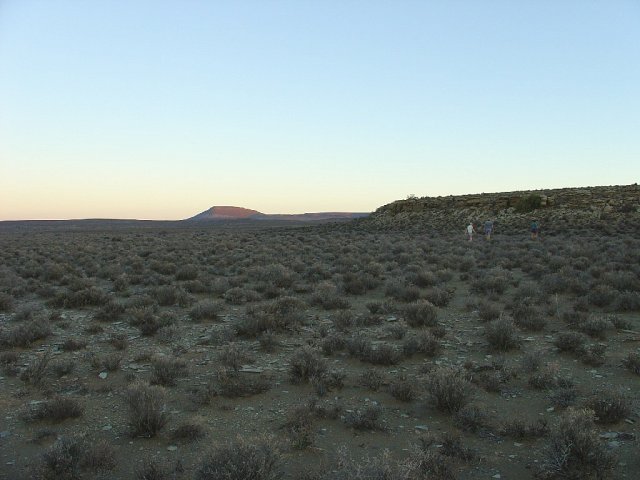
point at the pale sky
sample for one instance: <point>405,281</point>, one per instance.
<point>162,109</point>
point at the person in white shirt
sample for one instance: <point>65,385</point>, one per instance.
<point>470,231</point>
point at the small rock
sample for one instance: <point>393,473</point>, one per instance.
<point>172,448</point>
<point>103,375</point>
<point>550,409</point>
<point>107,428</point>
<point>497,475</point>
<point>5,434</point>
<point>609,435</point>
<point>613,444</point>
<point>423,428</point>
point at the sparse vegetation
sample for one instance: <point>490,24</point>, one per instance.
<point>315,334</point>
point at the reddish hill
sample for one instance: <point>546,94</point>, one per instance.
<point>239,213</point>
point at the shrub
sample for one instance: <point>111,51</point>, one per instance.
<point>596,327</point>
<point>119,341</point>
<point>609,406</point>
<point>439,296</point>
<point>168,295</point>
<point>6,302</point>
<point>68,457</point>
<point>205,310</point>
<point>528,203</point>
<point>36,371</point>
<point>306,364</point>
<point>502,335</point>
<point>519,429</point>
<point>574,449</point>
<point>233,356</point>
<point>627,302</point>
<point>449,389</point>
<point>402,292</point>
<point>372,379</point>
<point>381,354</point>
<point>366,418</point>
<point>147,410</point>
<point>110,311</point>
<point>241,460</point>
<point>55,410</point>
<point>166,371</point>
<point>488,311</point>
<point>421,314</point>
<point>570,342</point>
<point>230,383</point>
<point>402,389</point>
<point>470,418</point>
<point>528,317</point>
<point>63,367</point>
<point>110,362</point>
<point>632,363</point>
<point>189,432</point>
<point>73,344</point>
<point>563,397</point>
<point>326,296</point>
<point>424,343</point>
<point>25,334</point>
<point>299,426</point>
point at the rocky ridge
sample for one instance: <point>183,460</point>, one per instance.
<point>604,208</point>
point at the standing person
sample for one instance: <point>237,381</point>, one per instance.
<point>470,231</point>
<point>488,229</point>
<point>535,229</point>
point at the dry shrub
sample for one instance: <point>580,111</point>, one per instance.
<point>6,302</point>
<point>55,410</point>
<point>570,342</point>
<point>520,429</point>
<point>110,311</point>
<point>425,343</point>
<point>327,297</point>
<point>189,432</point>
<point>470,418</point>
<point>609,406</point>
<point>403,389</point>
<point>73,344</point>
<point>205,310</point>
<point>449,388</point>
<point>147,410</point>
<point>372,379</point>
<point>25,334</point>
<point>241,460</point>
<point>165,371</point>
<point>421,314</point>
<point>502,335</point>
<point>36,371</point>
<point>230,383</point>
<point>69,458</point>
<point>299,426</point>
<point>365,418</point>
<point>574,450</point>
<point>306,364</point>
<point>488,310</point>
<point>632,363</point>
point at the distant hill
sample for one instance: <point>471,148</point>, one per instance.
<point>602,208</point>
<point>226,213</point>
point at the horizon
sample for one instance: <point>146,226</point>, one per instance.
<point>154,110</point>
<point>292,213</point>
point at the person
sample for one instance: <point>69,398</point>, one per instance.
<point>488,229</point>
<point>470,231</point>
<point>535,229</point>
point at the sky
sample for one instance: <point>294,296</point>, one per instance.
<point>162,109</point>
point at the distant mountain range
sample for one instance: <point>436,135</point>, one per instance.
<point>226,213</point>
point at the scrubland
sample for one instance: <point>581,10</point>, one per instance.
<point>318,353</point>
